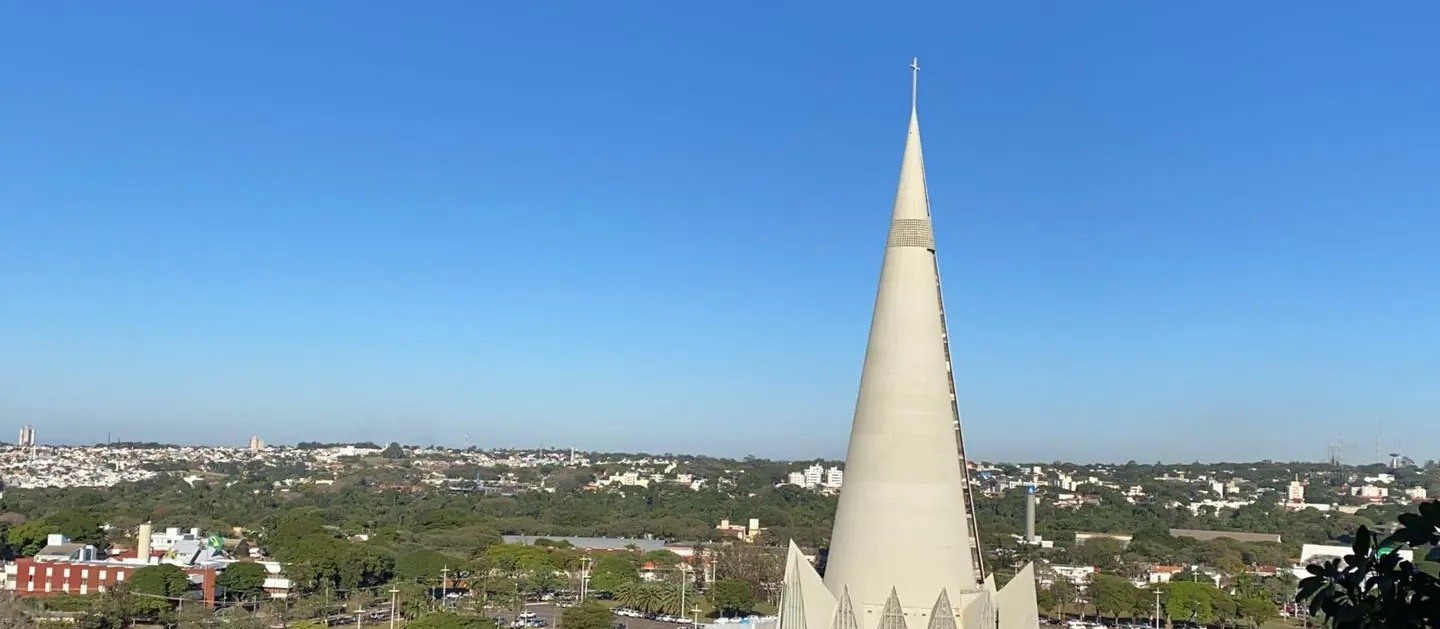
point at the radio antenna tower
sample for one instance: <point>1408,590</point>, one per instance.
<point>1337,464</point>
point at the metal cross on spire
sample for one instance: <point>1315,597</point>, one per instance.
<point>914,81</point>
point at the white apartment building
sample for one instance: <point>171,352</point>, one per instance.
<point>814,475</point>
<point>1370,492</point>
<point>817,476</point>
<point>1296,491</point>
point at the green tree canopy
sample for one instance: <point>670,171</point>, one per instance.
<point>1046,599</point>
<point>1064,592</point>
<point>80,526</point>
<point>423,564</point>
<point>611,571</point>
<point>663,558</point>
<point>111,610</point>
<point>733,596</point>
<point>322,560</point>
<point>162,580</point>
<point>156,588</point>
<point>26,539</point>
<point>449,620</point>
<point>1112,595</point>
<point>1258,610</point>
<point>1101,552</point>
<point>393,451</point>
<point>242,581</point>
<point>1191,601</point>
<point>588,615</point>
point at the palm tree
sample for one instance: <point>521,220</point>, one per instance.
<point>667,599</point>
<point>649,598</point>
<point>628,594</point>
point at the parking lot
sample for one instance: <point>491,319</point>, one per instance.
<point>549,613</point>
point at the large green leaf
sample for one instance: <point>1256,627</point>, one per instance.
<point>1361,547</point>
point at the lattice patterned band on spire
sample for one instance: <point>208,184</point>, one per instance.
<point>911,232</point>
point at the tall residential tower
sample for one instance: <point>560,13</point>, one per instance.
<point>904,552</point>
<point>27,437</point>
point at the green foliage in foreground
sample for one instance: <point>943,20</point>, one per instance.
<point>1374,587</point>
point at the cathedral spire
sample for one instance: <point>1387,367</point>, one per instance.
<point>901,521</point>
<point>904,531</point>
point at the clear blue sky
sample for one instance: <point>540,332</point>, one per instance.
<point>1166,232</point>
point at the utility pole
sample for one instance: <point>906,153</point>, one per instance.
<point>444,583</point>
<point>394,611</point>
<point>695,616</point>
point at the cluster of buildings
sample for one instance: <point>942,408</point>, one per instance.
<point>748,532</point>
<point>1217,489</point>
<point>312,465</point>
<point>1081,575</point>
<point>818,477</point>
<point>639,478</point>
<point>27,465</point>
<point>66,567</point>
<point>1368,490</point>
<point>46,466</point>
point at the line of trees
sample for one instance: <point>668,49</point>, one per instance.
<point>1249,600</point>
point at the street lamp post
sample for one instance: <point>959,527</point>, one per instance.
<point>1157,609</point>
<point>394,611</point>
<point>683,570</point>
<point>584,577</point>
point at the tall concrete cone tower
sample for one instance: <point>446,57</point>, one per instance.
<point>902,473</point>
<point>903,552</point>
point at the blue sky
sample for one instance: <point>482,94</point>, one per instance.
<point>1167,232</point>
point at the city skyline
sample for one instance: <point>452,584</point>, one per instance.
<point>1353,455</point>
<point>1170,226</point>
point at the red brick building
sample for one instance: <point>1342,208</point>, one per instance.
<point>30,578</point>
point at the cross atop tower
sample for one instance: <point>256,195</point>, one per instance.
<point>914,81</point>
